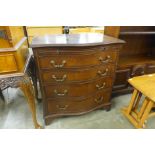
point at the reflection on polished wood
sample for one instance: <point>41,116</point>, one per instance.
<point>88,39</point>
<point>34,31</point>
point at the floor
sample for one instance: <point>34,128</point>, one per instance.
<point>15,115</point>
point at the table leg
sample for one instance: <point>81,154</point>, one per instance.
<point>34,75</point>
<point>27,88</point>
<point>146,113</point>
<point>1,95</point>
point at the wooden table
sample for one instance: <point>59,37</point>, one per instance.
<point>14,72</point>
<point>24,82</point>
<point>138,114</point>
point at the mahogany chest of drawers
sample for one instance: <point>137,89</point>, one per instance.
<point>76,72</point>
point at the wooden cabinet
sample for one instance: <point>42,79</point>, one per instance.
<point>90,29</point>
<point>76,76</point>
<point>138,54</point>
<point>10,35</point>
<point>14,53</point>
<point>33,31</point>
<point>7,63</point>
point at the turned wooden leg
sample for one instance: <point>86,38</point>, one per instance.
<point>27,88</point>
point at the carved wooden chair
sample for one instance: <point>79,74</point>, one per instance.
<point>24,82</point>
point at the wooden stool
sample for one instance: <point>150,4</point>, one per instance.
<point>24,82</point>
<point>136,113</point>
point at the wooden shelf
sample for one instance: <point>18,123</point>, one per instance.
<point>136,57</point>
<point>138,33</point>
<point>135,60</point>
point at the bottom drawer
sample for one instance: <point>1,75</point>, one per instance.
<point>59,106</point>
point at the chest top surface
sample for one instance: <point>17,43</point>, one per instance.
<point>71,40</point>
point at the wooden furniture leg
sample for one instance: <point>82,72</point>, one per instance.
<point>132,102</point>
<point>1,95</point>
<point>27,88</point>
<point>138,118</point>
<point>137,101</point>
<point>129,112</point>
<point>145,115</point>
<point>144,104</point>
<point>34,76</point>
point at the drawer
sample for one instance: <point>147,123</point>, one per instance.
<point>77,89</point>
<point>150,68</point>
<point>121,80</point>
<point>60,106</point>
<point>76,60</point>
<point>7,63</point>
<point>84,50</point>
<point>76,75</point>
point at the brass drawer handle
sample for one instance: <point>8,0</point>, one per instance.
<point>100,87</point>
<point>106,60</point>
<point>58,66</point>
<point>103,74</point>
<point>59,80</point>
<point>62,107</point>
<point>99,100</point>
<point>61,94</point>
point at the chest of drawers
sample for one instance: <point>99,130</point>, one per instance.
<point>75,77</point>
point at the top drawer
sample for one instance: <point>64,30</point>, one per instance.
<point>64,60</point>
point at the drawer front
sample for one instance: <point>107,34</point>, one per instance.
<point>77,75</point>
<point>75,50</point>
<point>76,60</point>
<point>150,68</point>
<point>77,89</point>
<point>7,63</point>
<point>121,80</point>
<point>75,106</point>
<point>138,70</point>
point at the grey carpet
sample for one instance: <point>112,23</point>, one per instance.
<point>15,115</point>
